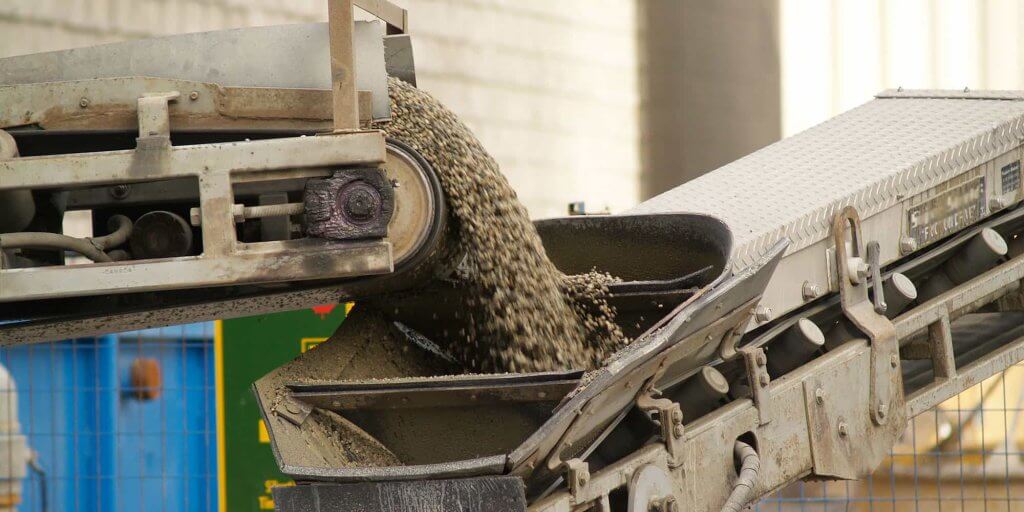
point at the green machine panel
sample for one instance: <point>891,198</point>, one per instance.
<point>245,350</point>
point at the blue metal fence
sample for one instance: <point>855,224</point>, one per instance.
<point>102,446</point>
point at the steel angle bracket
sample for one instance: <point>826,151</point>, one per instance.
<point>855,272</point>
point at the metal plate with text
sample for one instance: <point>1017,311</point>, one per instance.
<point>947,208</point>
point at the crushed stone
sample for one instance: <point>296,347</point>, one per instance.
<point>523,314</point>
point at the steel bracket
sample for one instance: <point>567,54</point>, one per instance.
<point>756,363</point>
<point>670,418</point>
<point>155,120</point>
<point>855,272</point>
<point>577,475</point>
<point>293,410</point>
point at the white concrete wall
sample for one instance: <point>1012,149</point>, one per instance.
<point>836,54</point>
<point>549,87</point>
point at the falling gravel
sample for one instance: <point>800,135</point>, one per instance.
<point>522,313</point>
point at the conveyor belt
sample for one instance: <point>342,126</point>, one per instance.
<point>877,157</point>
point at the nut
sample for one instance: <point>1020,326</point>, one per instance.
<point>194,95</point>
<point>819,396</point>
<point>843,429</point>
<point>894,360</point>
<point>763,314</point>
<point>84,102</point>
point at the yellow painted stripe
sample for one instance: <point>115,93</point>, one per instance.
<point>218,362</point>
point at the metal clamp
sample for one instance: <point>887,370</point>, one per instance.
<point>886,393</point>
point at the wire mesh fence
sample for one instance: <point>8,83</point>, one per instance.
<point>122,422</point>
<point>128,422</point>
<point>966,454</point>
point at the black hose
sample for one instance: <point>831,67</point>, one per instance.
<point>92,248</point>
<point>750,465</point>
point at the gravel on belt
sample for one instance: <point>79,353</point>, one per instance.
<point>523,314</point>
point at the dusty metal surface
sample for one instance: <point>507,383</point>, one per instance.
<point>269,61</point>
<point>885,158</point>
<point>487,494</point>
<point>216,167</point>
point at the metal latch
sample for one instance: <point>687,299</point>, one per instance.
<point>855,272</point>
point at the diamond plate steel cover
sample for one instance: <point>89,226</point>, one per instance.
<point>872,157</point>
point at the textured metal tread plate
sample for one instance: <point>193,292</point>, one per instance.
<point>871,157</point>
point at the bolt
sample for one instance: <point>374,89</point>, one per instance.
<point>810,291</point>
<point>996,203</point>
<point>907,245</point>
<point>667,504</point>
<point>843,430</point>
<point>763,314</point>
<point>582,478</point>
<point>194,95</point>
<point>819,396</point>
<point>764,379</point>
<point>677,431</point>
<point>120,191</point>
<point>292,407</point>
<point>858,270</point>
<point>894,361</point>
<point>883,409</point>
<point>84,102</point>
<point>760,359</point>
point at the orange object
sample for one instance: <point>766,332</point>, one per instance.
<point>146,378</point>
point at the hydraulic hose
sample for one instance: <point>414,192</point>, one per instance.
<point>92,248</point>
<point>750,465</point>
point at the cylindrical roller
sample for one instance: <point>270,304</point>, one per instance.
<point>840,333</point>
<point>701,393</point>
<point>899,292</point>
<point>17,207</point>
<point>1015,246</point>
<point>977,256</point>
<point>160,234</point>
<point>794,347</point>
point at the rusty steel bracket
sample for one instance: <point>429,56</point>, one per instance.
<point>855,272</point>
<point>670,418</point>
<point>756,363</point>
